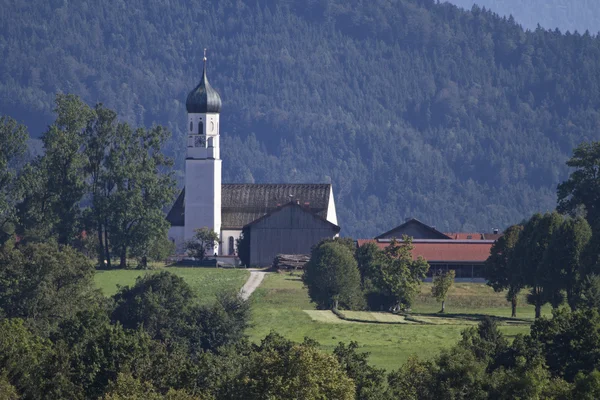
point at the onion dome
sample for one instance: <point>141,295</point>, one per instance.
<point>203,99</point>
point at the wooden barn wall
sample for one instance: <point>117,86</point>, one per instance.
<point>288,231</point>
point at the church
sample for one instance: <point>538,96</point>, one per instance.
<point>275,218</point>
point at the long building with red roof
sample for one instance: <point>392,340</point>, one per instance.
<point>465,253</point>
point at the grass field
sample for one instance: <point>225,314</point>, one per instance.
<point>281,304</point>
<point>205,281</point>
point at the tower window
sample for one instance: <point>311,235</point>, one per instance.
<point>210,142</point>
<point>200,127</point>
<point>231,248</point>
<point>191,126</point>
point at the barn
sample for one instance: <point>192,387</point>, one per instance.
<point>290,229</point>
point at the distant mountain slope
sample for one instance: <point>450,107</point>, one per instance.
<point>410,108</point>
<point>566,15</point>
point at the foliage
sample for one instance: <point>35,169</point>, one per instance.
<point>582,189</point>
<point>126,387</point>
<point>587,386</point>
<point>14,143</point>
<point>530,250</point>
<point>140,190</point>
<point>280,369</point>
<point>590,292</point>
<point>460,118</point>
<point>442,281</point>
<point>165,306</point>
<point>564,263</point>
<point>204,240</point>
<point>22,357</point>
<point>54,183</point>
<point>369,381</point>
<point>485,341</point>
<point>120,172</point>
<point>502,269</point>
<point>332,277</point>
<point>7,391</point>
<point>160,303</point>
<point>570,341</point>
<point>398,276</point>
<point>242,247</point>
<point>44,283</point>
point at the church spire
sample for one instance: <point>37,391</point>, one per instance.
<point>203,99</point>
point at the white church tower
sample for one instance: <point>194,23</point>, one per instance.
<point>203,161</point>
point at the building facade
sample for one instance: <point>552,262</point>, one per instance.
<point>227,208</point>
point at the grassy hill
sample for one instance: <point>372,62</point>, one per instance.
<point>281,304</point>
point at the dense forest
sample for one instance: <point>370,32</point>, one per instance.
<point>410,108</point>
<point>566,15</point>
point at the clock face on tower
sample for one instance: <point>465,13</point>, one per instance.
<point>200,141</point>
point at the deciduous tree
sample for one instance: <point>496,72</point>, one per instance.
<point>442,281</point>
<point>204,240</point>
<point>332,277</point>
<point>399,276</point>
<point>503,269</point>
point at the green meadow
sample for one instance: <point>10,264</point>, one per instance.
<point>205,281</point>
<point>281,304</point>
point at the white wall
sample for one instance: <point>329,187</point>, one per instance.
<point>331,213</point>
<point>225,235</point>
<point>202,196</point>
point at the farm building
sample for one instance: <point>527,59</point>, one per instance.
<point>465,253</point>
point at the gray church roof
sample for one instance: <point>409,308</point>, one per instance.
<point>203,99</point>
<point>242,204</point>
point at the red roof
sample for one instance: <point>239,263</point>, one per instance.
<point>464,235</point>
<point>476,251</point>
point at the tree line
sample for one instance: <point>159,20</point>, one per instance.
<point>60,338</point>
<point>556,256</point>
<point>99,185</point>
<point>409,108</point>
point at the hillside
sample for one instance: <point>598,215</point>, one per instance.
<point>566,15</point>
<point>409,108</point>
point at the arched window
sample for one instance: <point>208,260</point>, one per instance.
<point>210,142</point>
<point>200,128</point>
<point>231,246</point>
<point>191,126</point>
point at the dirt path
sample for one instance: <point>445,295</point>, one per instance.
<point>252,283</point>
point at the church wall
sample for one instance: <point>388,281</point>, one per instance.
<point>225,241</point>
<point>331,213</point>
<point>202,196</point>
<point>176,235</point>
<point>291,230</point>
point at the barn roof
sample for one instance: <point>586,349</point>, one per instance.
<point>400,229</point>
<point>451,251</point>
<point>296,205</point>
<point>244,203</point>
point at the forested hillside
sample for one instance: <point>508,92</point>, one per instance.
<point>410,108</point>
<point>566,15</point>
